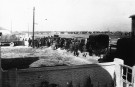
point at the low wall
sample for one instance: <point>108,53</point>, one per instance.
<point>91,75</point>
<point>19,63</point>
<point>16,43</point>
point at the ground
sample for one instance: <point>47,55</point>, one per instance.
<point>47,56</point>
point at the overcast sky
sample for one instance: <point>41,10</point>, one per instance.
<point>67,15</point>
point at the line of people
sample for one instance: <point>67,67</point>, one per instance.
<point>85,45</point>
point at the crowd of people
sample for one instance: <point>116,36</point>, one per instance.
<point>95,44</point>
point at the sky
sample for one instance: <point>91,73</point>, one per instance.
<point>67,15</point>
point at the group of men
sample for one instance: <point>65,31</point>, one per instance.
<point>94,44</point>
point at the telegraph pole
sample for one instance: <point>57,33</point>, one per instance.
<point>28,30</point>
<point>33,44</point>
<point>11,26</point>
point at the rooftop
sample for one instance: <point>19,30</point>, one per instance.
<point>132,16</point>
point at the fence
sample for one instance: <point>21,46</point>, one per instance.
<point>110,74</point>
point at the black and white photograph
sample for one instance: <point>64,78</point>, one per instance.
<point>67,43</point>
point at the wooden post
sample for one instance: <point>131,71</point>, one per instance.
<point>133,76</point>
<point>118,72</point>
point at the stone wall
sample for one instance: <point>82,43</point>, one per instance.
<point>91,75</point>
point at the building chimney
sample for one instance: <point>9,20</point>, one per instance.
<point>133,25</point>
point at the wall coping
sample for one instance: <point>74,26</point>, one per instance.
<point>37,69</point>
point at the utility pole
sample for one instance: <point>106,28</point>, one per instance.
<point>28,30</point>
<point>33,44</point>
<point>11,26</point>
